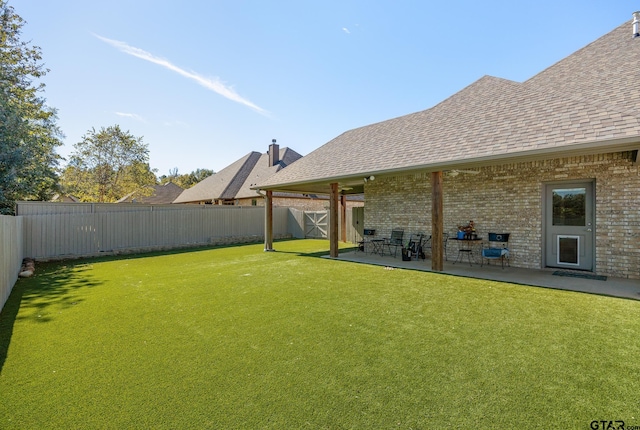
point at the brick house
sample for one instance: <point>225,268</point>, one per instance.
<point>552,160</point>
<point>232,185</point>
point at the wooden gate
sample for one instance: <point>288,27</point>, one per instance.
<point>356,226</point>
<point>316,224</point>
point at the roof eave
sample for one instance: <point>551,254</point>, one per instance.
<point>354,181</point>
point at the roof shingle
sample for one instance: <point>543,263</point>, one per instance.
<point>235,180</point>
<point>590,96</point>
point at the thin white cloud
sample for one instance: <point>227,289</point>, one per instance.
<point>212,84</point>
<point>130,115</point>
<point>346,30</point>
<point>176,124</point>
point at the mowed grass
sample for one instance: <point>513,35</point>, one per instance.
<point>237,338</point>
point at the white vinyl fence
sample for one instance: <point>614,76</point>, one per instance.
<point>11,254</point>
<point>80,230</point>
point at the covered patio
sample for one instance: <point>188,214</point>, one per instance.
<point>553,161</point>
<point>614,287</point>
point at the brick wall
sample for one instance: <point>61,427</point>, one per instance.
<point>508,198</point>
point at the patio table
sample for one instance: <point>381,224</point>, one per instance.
<point>377,246</point>
<point>466,247</point>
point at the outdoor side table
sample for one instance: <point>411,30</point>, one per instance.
<point>465,247</point>
<point>377,246</point>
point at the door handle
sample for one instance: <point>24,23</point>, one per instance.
<point>589,229</point>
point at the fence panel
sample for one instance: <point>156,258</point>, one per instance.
<point>11,254</point>
<point>355,224</point>
<point>296,223</point>
<point>88,233</point>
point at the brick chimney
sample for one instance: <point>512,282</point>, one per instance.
<point>274,153</point>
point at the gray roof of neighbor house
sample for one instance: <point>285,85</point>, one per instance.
<point>162,194</point>
<point>235,180</point>
<point>587,102</point>
<point>262,171</point>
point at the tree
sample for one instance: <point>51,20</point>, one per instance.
<point>187,180</point>
<point>106,165</point>
<point>28,131</point>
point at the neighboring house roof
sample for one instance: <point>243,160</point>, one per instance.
<point>263,171</point>
<point>588,100</point>
<point>65,198</point>
<point>235,180</point>
<point>162,194</point>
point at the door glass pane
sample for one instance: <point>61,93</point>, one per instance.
<point>568,249</point>
<point>569,206</point>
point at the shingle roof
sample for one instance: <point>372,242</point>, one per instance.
<point>262,171</point>
<point>215,186</point>
<point>235,180</point>
<point>589,97</point>
<point>162,194</point>
<point>606,72</point>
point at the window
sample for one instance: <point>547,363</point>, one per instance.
<point>569,206</point>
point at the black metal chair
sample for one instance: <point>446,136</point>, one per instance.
<point>445,239</point>
<point>417,245</point>
<point>394,241</point>
<point>497,249</point>
<point>428,244</point>
<point>367,235</point>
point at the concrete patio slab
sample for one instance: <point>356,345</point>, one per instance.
<point>615,287</point>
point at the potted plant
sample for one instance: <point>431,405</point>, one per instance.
<point>406,252</point>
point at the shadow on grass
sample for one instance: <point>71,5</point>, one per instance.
<point>54,284</point>
<point>159,252</point>
<point>313,254</point>
<point>200,248</point>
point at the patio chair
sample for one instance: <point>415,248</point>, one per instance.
<point>417,244</point>
<point>428,243</point>
<point>367,235</point>
<point>497,249</point>
<point>445,239</point>
<point>394,241</point>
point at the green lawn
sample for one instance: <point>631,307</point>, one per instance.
<point>238,338</point>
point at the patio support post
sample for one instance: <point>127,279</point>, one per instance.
<point>343,217</point>
<point>268,221</point>
<point>437,227</point>
<point>333,219</point>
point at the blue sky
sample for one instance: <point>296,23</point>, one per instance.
<point>206,82</point>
